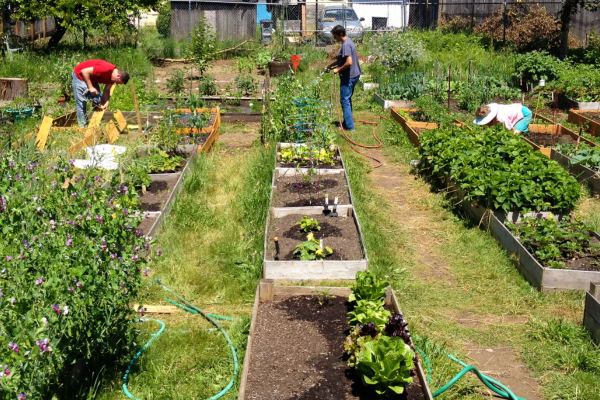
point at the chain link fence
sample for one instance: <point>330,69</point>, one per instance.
<point>311,21</point>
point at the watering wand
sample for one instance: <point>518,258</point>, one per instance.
<point>325,71</point>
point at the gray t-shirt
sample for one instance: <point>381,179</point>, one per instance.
<point>348,49</point>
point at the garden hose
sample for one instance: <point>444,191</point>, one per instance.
<point>350,141</point>
<point>195,310</point>
<point>492,384</point>
<point>154,336</point>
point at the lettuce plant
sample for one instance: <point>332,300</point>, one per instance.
<point>369,311</point>
<point>355,342</point>
<point>385,365</point>
<point>367,287</point>
<point>397,327</point>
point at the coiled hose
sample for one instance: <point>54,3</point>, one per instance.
<point>195,310</point>
<point>492,384</point>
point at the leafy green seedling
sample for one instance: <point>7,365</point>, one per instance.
<point>308,224</point>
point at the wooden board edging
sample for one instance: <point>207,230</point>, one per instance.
<point>271,290</point>
<point>576,117</point>
<point>591,314</point>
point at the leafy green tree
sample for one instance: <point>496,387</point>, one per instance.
<point>79,14</point>
<point>163,21</point>
<point>570,8</point>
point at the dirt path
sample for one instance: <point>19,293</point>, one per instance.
<point>238,136</point>
<point>410,207</point>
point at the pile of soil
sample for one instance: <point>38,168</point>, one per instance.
<point>290,193</point>
<point>340,234</point>
<point>157,194</point>
<point>297,353</point>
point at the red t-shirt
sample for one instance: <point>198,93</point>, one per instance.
<point>101,73</point>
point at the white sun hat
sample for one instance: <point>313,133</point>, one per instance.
<point>489,117</point>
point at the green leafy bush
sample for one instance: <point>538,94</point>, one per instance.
<point>385,365</point>
<point>207,86</point>
<point>554,242</point>
<point>482,90</point>
<point>397,50</point>
<point>406,87</point>
<point>70,264</point>
<point>163,21</point>
<point>204,41</point>
<point>497,169</point>
<point>359,336</point>
<point>536,65</point>
<point>368,287</point>
<point>176,83</point>
<point>369,311</point>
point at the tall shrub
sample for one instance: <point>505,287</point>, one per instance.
<point>163,21</point>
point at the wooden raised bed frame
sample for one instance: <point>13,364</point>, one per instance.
<point>591,315</point>
<point>576,117</point>
<point>265,292</point>
<point>543,278</point>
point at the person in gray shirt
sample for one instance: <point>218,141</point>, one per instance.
<point>349,70</point>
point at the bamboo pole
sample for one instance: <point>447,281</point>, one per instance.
<point>137,110</point>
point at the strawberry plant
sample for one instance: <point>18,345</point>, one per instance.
<point>554,242</point>
<point>498,170</point>
<point>70,264</point>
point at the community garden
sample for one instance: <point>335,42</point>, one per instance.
<point>215,234</point>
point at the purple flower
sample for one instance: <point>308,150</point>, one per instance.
<point>143,311</point>
<point>21,396</point>
<point>159,252</point>
<point>21,256</point>
<point>5,371</point>
<point>56,308</point>
<point>45,321</point>
<point>44,345</point>
<point>69,243</point>
<point>72,162</point>
<point>66,310</point>
<point>13,301</point>
<point>0,292</point>
<point>40,209</point>
<point>40,281</point>
<point>78,284</point>
<point>8,258</point>
<point>146,271</point>
<point>71,288</point>
<point>4,271</point>
<point>14,347</point>
<point>74,194</point>
<point>135,257</point>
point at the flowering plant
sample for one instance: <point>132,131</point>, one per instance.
<point>397,50</point>
<point>70,261</point>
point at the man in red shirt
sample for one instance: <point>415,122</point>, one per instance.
<point>87,78</point>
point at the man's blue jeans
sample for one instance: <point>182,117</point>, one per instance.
<point>346,92</point>
<point>82,94</point>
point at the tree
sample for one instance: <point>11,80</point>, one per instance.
<point>79,14</point>
<point>570,8</point>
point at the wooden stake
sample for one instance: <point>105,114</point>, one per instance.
<point>470,69</point>
<point>44,27</point>
<point>32,27</point>
<point>449,78</point>
<point>137,110</point>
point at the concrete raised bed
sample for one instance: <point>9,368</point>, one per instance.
<point>368,85</point>
<point>392,103</point>
<point>580,105</point>
<point>265,294</point>
<point>591,315</point>
<point>576,117</point>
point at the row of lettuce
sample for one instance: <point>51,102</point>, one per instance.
<point>379,345</point>
<point>498,170</point>
<point>71,260</point>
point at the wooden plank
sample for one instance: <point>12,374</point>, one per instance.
<point>212,138</point>
<point>88,140</point>
<point>279,290</point>
<point>43,133</point>
<point>546,151</point>
<point>278,212</point>
<point>112,132</point>
<point>150,309</point>
<point>593,326</point>
<point>265,290</point>
<point>592,307</point>
<point>135,105</point>
<point>595,289</point>
<point>247,359</point>
<point>96,119</point>
<point>65,120</point>
<point>296,270</point>
<point>121,121</point>
<point>577,117</point>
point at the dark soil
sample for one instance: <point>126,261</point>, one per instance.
<point>146,225</point>
<point>548,139</point>
<point>593,116</point>
<point>297,353</point>
<point>589,262</point>
<point>157,194</point>
<point>290,193</point>
<point>197,138</point>
<point>186,122</point>
<point>306,164</point>
<point>338,233</point>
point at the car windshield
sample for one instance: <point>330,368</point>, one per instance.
<point>338,15</point>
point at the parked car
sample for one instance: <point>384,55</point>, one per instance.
<point>331,16</point>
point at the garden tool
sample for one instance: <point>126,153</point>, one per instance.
<point>96,100</point>
<point>326,70</point>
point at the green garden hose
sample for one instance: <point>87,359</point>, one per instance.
<point>494,385</point>
<point>195,310</point>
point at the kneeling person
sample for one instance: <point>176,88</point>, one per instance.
<point>515,117</point>
<point>87,77</point>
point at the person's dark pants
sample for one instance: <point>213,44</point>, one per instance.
<point>346,91</point>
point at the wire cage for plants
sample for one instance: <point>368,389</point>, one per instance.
<point>311,110</point>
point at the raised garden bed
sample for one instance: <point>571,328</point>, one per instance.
<point>591,315</point>
<point>367,85</point>
<point>300,191</point>
<point>578,105</point>
<point>291,168</point>
<point>588,117</point>
<point>342,234</point>
<point>413,128</point>
<point>392,103</point>
<point>308,361</point>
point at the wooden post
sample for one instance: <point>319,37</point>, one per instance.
<point>437,75</point>
<point>32,27</point>
<point>137,110</point>
<point>17,28</point>
<point>303,24</point>
<point>265,290</point>
<point>11,88</point>
<point>595,289</point>
<point>470,69</point>
<point>449,79</point>
<point>44,27</point>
